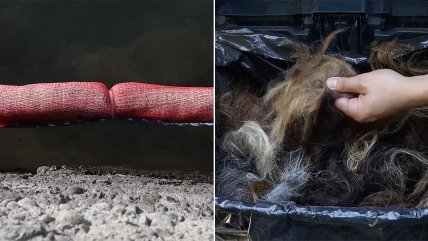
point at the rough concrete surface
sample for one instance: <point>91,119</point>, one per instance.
<point>60,203</point>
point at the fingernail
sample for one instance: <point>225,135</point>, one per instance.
<point>331,83</point>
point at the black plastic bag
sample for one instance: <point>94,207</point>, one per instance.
<point>270,221</point>
<point>243,54</point>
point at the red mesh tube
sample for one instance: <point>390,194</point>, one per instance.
<point>53,103</point>
<point>164,103</point>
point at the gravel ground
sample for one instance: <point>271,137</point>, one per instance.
<point>105,204</point>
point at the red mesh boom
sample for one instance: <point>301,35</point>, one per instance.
<point>164,103</point>
<point>53,103</point>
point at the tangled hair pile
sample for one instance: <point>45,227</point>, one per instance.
<point>292,144</point>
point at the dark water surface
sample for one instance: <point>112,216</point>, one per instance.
<point>162,42</point>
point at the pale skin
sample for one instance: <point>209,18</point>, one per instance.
<point>381,93</point>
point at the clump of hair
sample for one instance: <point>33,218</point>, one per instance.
<point>399,57</point>
<point>251,143</point>
<point>234,177</point>
<point>302,109</point>
<point>297,99</point>
<point>293,177</point>
<point>237,106</point>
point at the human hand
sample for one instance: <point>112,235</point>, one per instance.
<point>381,93</point>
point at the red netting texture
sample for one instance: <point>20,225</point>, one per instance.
<point>164,103</point>
<point>53,103</point>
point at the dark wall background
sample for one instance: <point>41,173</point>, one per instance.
<point>162,42</point>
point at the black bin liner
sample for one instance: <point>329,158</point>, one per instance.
<point>259,57</point>
<point>271,221</point>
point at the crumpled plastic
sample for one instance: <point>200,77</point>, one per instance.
<point>288,221</point>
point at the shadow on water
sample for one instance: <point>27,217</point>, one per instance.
<point>162,42</point>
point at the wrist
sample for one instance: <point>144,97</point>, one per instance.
<point>417,90</point>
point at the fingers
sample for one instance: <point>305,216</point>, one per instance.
<point>342,84</point>
<point>349,107</point>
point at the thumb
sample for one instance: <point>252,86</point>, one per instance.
<point>341,84</point>
<point>349,107</point>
